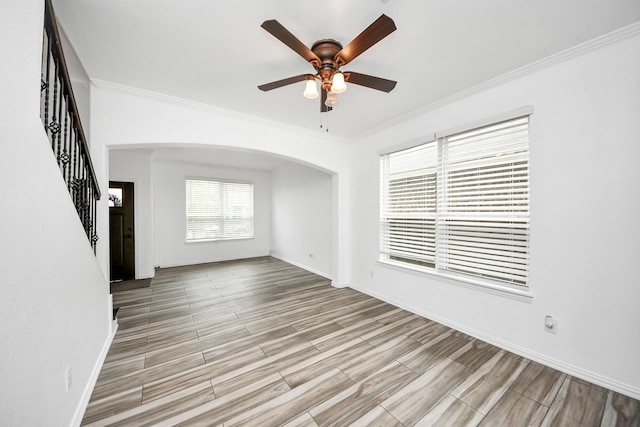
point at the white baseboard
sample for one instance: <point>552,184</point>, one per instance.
<point>86,394</point>
<point>305,267</point>
<point>626,389</point>
<point>223,259</point>
<point>339,285</point>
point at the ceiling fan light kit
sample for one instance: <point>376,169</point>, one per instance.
<point>332,99</point>
<point>310,90</point>
<point>337,83</point>
<point>327,56</point>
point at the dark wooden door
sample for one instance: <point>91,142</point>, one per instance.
<point>121,231</point>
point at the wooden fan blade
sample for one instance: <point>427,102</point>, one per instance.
<point>375,32</point>
<point>369,81</point>
<point>284,82</point>
<point>281,33</point>
<point>323,98</point>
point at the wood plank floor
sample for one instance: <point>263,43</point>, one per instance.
<point>260,342</point>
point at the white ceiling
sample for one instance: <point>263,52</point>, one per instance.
<point>215,52</point>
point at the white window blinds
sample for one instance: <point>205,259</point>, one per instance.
<point>219,210</point>
<point>408,204</point>
<point>483,222</point>
<point>461,204</point>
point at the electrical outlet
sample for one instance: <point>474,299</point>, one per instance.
<point>550,324</point>
<point>68,379</point>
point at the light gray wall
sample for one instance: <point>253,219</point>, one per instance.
<point>584,229</point>
<point>585,201</point>
<point>79,82</point>
<point>300,212</point>
<point>302,217</point>
<point>299,219</point>
<point>146,120</point>
<point>583,196</point>
<point>135,166</point>
<point>55,299</point>
<point>169,218</point>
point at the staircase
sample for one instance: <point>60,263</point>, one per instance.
<point>59,114</point>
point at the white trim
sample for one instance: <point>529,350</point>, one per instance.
<point>339,285</point>
<point>304,267</point>
<point>592,377</point>
<point>231,181</point>
<point>93,378</point>
<point>221,207</point>
<point>523,295</point>
<point>503,117</point>
<point>526,70</point>
<point>226,239</point>
<point>407,144</point>
<point>136,220</point>
<point>234,258</point>
<point>161,97</point>
<point>581,49</point>
<point>199,106</point>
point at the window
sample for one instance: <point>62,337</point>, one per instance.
<point>408,200</point>
<point>459,205</point>
<point>115,197</point>
<point>219,210</point>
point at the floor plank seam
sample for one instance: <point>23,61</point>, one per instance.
<point>210,343</point>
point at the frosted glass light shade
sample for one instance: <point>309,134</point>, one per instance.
<point>337,84</point>
<point>332,99</point>
<point>311,90</point>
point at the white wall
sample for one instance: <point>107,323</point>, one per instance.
<point>55,299</point>
<point>302,217</point>
<point>127,117</point>
<point>135,166</point>
<point>79,82</point>
<point>301,205</point>
<point>585,231</point>
<point>169,218</point>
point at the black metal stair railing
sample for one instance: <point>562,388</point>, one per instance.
<point>59,114</point>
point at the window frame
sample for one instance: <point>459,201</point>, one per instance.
<point>221,219</point>
<point>516,291</point>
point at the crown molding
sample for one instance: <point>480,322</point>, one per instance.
<point>615,36</point>
<point>161,97</point>
<point>207,108</point>
<point>584,48</point>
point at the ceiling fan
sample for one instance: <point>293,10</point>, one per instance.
<point>327,56</point>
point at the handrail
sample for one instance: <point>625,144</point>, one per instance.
<point>61,120</point>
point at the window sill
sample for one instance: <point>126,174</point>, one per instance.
<point>231,239</point>
<point>478,285</point>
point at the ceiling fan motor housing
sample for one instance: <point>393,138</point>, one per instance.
<point>326,50</point>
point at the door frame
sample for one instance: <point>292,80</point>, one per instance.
<point>128,212</point>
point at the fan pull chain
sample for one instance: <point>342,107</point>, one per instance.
<point>321,124</point>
